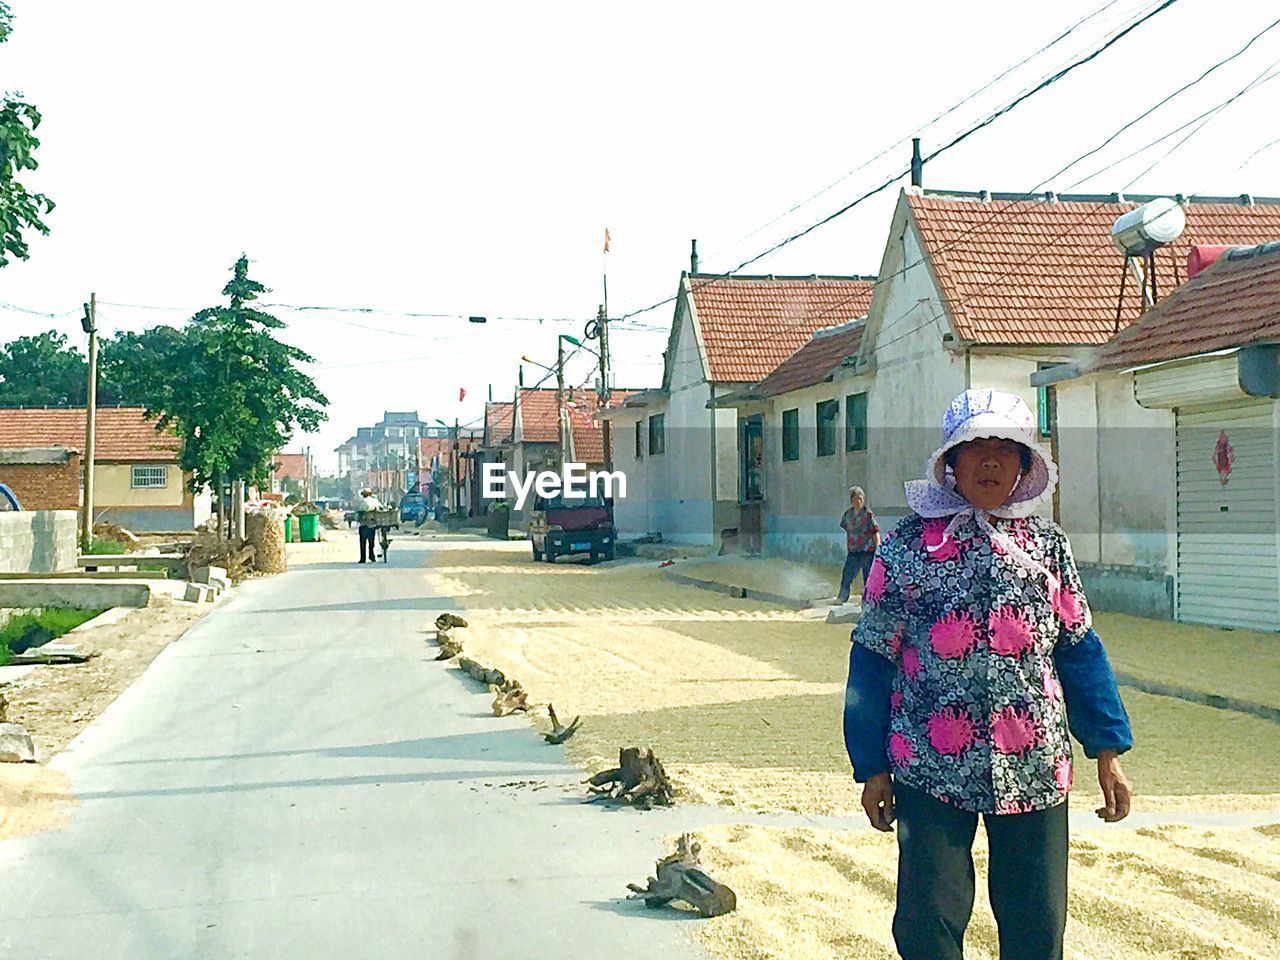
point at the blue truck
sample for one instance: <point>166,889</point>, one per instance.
<point>413,508</point>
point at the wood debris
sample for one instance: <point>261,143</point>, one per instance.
<point>681,877</point>
<point>447,621</point>
<point>559,732</point>
<point>490,676</point>
<point>509,698</point>
<point>638,780</point>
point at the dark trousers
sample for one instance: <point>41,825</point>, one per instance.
<point>855,561</point>
<point>1027,881</point>
<point>366,541</point>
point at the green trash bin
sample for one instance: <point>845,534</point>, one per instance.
<point>288,528</point>
<point>308,527</point>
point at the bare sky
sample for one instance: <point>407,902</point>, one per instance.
<point>466,158</point>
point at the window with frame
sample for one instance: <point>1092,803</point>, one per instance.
<point>825,413</point>
<point>149,476</point>
<point>855,422</point>
<point>639,439</point>
<point>751,446</point>
<point>1046,406</point>
<point>790,435</point>
<point>657,434</point>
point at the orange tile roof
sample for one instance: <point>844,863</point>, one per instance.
<point>813,362</point>
<point>749,325</point>
<point>538,422</point>
<point>122,433</point>
<point>497,421</point>
<point>442,447</point>
<point>1233,303</point>
<point>291,466</point>
<point>1040,272</point>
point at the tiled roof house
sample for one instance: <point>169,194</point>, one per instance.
<point>1186,394</point>
<point>676,445</point>
<point>138,480</point>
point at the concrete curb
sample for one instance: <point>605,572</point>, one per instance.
<point>1214,700</point>
<point>733,590</point>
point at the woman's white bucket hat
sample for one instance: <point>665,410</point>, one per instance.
<point>975,415</point>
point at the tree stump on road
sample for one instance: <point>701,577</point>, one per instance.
<point>559,732</point>
<point>449,647</point>
<point>447,621</point>
<point>638,780</point>
<point>486,675</point>
<point>509,698</point>
<point>681,877</point>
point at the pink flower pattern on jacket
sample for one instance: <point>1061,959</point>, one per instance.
<point>901,749</point>
<point>976,696</point>
<point>873,589</point>
<point>954,635</point>
<point>1066,603</point>
<point>951,731</point>
<point>1062,773</point>
<point>934,546</point>
<point>1013,731</point>
<point>1010,630</point>
<point>911,662</point>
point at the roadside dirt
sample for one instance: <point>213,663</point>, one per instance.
<point>55,703</point>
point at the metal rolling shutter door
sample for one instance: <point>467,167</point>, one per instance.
<point>1228,566</point>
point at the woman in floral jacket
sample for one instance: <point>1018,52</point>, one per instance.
<point>974,657</point>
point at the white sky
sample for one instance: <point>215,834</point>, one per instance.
<point>466,158</point>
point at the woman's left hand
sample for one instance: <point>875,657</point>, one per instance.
<point>1116,789</point>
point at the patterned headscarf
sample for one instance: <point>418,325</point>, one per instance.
<point>974,415</point>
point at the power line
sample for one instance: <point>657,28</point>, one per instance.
<point>920,129</point>
<point>954,142</point>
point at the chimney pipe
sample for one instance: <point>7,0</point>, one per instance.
<point>521,380</point>
<point>693,257</point>
<point>917,165</point>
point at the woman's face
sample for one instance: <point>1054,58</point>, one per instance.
<point>987,470</point>
<point>856,501</point>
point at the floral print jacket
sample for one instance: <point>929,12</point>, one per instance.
<point>977,715</point>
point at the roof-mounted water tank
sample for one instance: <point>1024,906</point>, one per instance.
<point>1149,226</point>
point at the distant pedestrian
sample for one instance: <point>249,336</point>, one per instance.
<point>365,505</point>
<point>862,536</point>
<point>974,656</point>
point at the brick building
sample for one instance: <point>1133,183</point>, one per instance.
<point>138,480</point>
<point>43,478</point>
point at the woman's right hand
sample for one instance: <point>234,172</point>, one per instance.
<point>877,801</point>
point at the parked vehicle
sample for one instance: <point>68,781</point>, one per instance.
<point>413,508</point>
<point>8,499</point>
<point>561,526</point>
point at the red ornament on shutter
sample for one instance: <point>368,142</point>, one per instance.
<point>1224,455</point>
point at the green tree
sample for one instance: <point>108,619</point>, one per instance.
<point>20,210</point>
<point>130,365</point>
<point>232,391</point>
<point>42,371</point>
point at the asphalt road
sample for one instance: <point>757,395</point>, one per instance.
<point>295,778</point>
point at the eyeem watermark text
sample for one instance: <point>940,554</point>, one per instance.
<point>573,481</point>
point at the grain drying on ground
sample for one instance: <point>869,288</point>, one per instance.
<point>742,699</point>
<point>1151,894</point>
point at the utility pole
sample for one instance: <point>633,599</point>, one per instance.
<point>560,417</point>
<point>457,492</point>
<point>90,325</point>
<point>605,387</point>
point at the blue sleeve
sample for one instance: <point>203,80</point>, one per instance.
<point>1095,714</point>
<point>866,712</point>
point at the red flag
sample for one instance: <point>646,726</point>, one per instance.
<point>606,239</point>
<point>462,394</point>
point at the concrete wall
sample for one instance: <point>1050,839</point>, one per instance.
<point>113,485</point>
<point>804,498</point>
<point>915,377</point>
<point>38,541</point>
<point>1117,493</point>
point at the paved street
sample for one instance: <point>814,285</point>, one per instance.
<point>295,778</point>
